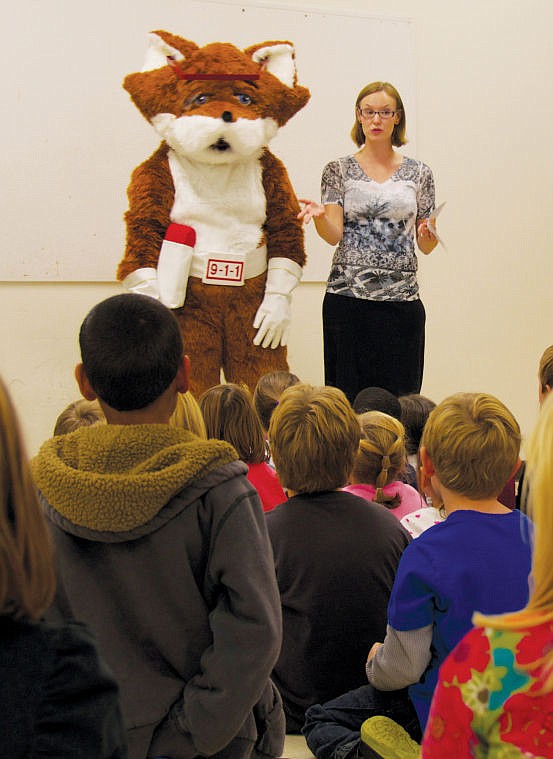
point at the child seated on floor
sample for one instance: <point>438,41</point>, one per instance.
<point>478,558</point>
<point>380,399</point>
<point>495,691</point>
<point>267,394</point>
<point>378,464</point>
<point>415,409</point>
<point>377,399</point>
<point>188,415</point>
<point>57,697</point>
<point>229,415</point>
<point>335,553</point>
<point>432,513</point>
<point>81,413</point>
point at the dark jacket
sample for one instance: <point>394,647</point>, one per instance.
<point>336,557</point>
<point>57,698</point>
<point>163,550</point>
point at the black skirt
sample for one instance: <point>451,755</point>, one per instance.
<point>373,344</point>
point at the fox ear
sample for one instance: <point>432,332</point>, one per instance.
<point>277,58</point>
<point>157,52</point>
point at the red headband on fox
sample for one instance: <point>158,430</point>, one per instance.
<point>196,77</point>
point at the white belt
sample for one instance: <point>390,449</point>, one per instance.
<point>254,265</point>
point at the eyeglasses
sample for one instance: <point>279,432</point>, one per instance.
<point>367,114</point>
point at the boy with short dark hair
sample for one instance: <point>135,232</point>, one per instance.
<point>163,550</point>
<point>478,559</point>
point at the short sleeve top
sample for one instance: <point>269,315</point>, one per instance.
<point>375,258</point>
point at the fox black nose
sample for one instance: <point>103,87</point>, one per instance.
<point>226,116</point>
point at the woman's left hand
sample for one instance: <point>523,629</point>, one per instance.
<point>426,239</point>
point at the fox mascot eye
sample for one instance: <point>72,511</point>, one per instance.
<point>243,98</point>
<point>212,227</point>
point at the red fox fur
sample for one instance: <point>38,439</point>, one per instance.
<point>216,108</point>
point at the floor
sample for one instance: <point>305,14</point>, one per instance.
<point>295,747</point>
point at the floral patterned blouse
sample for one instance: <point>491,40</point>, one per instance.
<point>375,258</point>
<point>488,701</point>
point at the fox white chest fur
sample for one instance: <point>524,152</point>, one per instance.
<point>224,203</point>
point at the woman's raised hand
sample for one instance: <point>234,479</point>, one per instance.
<point>311,210</point>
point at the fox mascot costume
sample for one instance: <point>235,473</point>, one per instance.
<point>211,225</point>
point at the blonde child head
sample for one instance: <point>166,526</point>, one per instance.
<point>81,413</point>
<point>314,436</point>
<point>473,441</point>
<point>188,415</point>
<point>539,475</point>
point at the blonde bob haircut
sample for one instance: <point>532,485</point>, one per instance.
<point>398,135</point>
<point>188,415</point>
<point>545,371</point>
<point>381,455</point>
<point>473,441</point>
<point>229,415</point>
<point>314,436</point>
<point>27,574</point>
<point>539,475</point>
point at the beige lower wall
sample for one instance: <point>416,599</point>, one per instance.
<point>39,325</point>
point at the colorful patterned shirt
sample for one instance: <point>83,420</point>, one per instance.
<point>488,701</point>
<point>375,258</point>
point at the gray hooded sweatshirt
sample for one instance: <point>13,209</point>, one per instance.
<point>163,550</point>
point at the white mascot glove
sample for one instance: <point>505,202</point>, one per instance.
<point>272,319</point>
<point>173,266</point>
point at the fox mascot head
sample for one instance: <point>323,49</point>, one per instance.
<point>216,104</point>
<point>212,228</point>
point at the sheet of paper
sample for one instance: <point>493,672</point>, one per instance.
<point>431,226</point>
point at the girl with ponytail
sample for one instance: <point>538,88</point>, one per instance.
<point>379,462</point>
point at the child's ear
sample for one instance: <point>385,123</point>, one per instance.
<point>427,467</point>
<point>183,373</point>
<point>83,383</point>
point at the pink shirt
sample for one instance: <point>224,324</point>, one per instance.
<point>411,499</point>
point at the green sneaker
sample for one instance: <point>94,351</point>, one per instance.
<point>382,737</point>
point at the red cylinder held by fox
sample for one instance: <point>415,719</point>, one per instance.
<point>211,224</point>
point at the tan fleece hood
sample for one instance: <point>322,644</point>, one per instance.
<point>117,477</point>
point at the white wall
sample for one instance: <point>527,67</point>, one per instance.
<point>484,115</point>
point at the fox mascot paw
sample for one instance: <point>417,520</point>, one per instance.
<point>211,225</point>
